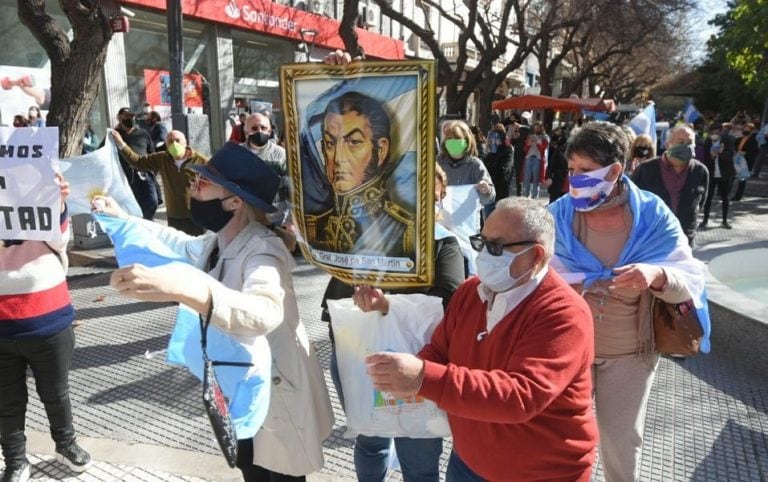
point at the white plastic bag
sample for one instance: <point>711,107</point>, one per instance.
<point>407,327</point>
<point>742,168</point>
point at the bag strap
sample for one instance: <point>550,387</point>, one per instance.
<point>204,342</point>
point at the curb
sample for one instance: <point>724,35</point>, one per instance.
<point>104,257</point>
<point>154,458</point>
<point>147,457</point>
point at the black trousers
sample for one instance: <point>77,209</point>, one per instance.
<point>740,190</point>
<point>723,187</point>
<point>254,473</point>
<point>50,359</point>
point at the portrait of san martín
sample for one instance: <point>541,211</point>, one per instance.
<point>361,161</point>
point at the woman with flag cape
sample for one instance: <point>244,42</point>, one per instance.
<point>620,247</point>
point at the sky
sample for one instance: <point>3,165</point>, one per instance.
<point>707,9</point>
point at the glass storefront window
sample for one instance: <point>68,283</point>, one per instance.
<point>257,60</point>
<point>147,63</point>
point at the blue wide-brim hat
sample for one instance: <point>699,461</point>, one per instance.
<point>244,174</point>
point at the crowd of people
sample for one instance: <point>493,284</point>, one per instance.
<point>543,358</point>
<point>33,118</point>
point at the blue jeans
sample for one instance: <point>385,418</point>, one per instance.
<point>531,177</point>
<point>419,458</point>
<point>458,471</point>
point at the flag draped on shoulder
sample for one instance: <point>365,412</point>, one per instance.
<point>655,238</point>
<point>246,388</point>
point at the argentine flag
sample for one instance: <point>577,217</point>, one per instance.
<point>645,122</point>
<point>246,388</point>
<point>691,113</point>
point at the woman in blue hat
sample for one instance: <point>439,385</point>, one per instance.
<point>248,294</point>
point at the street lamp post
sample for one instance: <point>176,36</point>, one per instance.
<point>176,56</point>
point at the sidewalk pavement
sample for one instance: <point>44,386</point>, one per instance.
<point>142,420</point>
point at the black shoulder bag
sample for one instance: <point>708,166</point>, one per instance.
<point>216,404</point>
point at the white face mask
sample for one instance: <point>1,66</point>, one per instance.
<point>493,271</point>
<point>591,189</point>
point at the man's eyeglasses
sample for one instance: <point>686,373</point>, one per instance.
<point>494,249</point>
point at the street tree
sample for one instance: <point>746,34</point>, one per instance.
<point>613,36</point>
<point>743,43</point>
<point>494,39</point>
<point>76,62</point>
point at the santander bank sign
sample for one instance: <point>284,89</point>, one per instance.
<point>251,16</point>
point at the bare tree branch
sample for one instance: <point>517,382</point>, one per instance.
<point>347,28</point>
<point>45,29</point>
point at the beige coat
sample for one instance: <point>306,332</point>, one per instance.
<point>255,297</point>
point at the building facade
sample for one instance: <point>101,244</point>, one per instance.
<point>233,50</point>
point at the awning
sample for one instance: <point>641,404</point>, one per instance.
<point>272,18</point>
<point>595,104</point>
<point>534,102</point>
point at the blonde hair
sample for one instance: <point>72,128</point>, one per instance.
<point>253,214</point>
<point>459,129</point>
<point>642,139</point>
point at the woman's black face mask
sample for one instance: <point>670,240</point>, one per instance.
<point>210,214</point>
<point>642,151</point>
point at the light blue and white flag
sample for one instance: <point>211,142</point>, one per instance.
<point>645,122</point>
<point>246,388</point>
<point>691,113</point>
<point>98,172</point>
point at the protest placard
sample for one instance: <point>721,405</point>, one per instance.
<point>30,197</point>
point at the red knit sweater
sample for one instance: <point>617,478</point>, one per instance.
<point>519,401</point>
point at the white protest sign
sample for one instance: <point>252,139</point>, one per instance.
<point>30,197</point>
<point>98,172</point>
<point>462,203</point>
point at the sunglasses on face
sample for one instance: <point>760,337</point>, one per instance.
<point>477,241</point>
<point>200,181</point>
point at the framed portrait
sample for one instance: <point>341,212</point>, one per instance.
<point>361,155</point>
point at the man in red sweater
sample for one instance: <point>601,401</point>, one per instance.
<point>510,362</point>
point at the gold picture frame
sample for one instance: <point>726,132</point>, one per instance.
<point>360,146</point>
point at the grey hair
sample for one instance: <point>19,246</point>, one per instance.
<point>537,223</point>
<point>602,142</point>
<point>681,127</point>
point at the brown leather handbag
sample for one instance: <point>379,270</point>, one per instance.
<point>676,328</point>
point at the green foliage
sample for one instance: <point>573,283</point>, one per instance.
<point>743,42</point>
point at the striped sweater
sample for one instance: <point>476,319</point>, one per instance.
<point>34,298</point>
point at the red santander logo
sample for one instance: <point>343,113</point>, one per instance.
<point>232,10</point>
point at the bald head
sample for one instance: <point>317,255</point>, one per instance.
<point>256,123</point>
<point>176,136</point>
